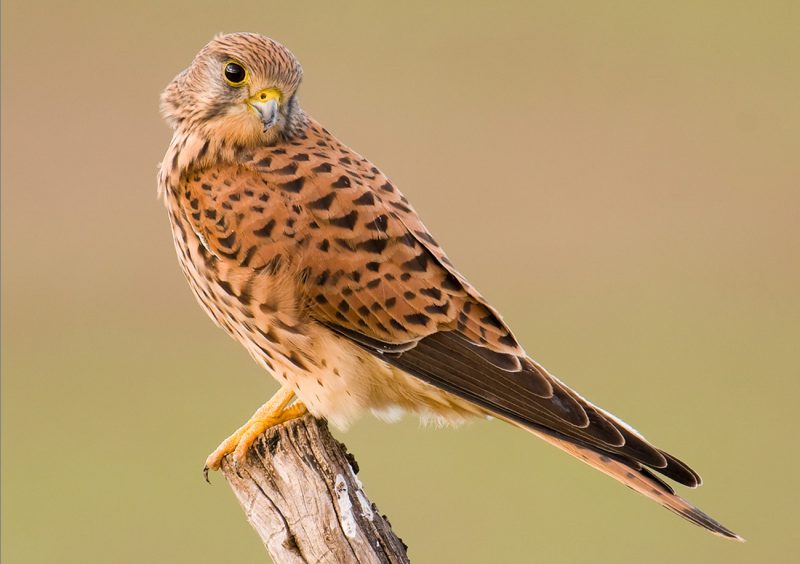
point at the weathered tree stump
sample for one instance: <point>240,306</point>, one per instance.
<point>299,490</point>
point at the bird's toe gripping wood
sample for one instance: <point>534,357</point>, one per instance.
<point>272,413</point>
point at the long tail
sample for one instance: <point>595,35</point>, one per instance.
<point>535,400</point>
<point>641,480</point>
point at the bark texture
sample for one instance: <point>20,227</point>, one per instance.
<point>300,492</point>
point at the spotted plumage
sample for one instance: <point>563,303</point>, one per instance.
<point>309,256</point>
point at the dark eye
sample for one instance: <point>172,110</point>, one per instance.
<point>235,74</point>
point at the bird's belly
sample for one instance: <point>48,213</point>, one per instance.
<point>345,381</point>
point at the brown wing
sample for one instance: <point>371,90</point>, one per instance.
<point>384,254</point>
<point>381,283</point>
<point>387,285</point>
<point>368,268</point>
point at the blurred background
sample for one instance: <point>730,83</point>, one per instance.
<point>622,181</point>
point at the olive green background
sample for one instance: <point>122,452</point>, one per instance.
<point>620,179</point>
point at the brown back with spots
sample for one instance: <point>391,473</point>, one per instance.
<point>365,262</point>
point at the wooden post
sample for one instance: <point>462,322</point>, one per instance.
<point>299,490</point>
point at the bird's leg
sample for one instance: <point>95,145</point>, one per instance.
<point>272,413</point>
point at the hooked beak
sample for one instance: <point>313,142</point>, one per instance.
<point>266,104</point>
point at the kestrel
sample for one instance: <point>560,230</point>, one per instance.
<point>309,256</point>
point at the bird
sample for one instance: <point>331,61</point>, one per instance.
<point>311,258</point>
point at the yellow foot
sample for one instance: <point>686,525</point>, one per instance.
<point>272,413</point>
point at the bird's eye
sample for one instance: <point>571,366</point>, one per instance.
<point>235,75</point>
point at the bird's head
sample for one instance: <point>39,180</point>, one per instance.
<point>240,89</point>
